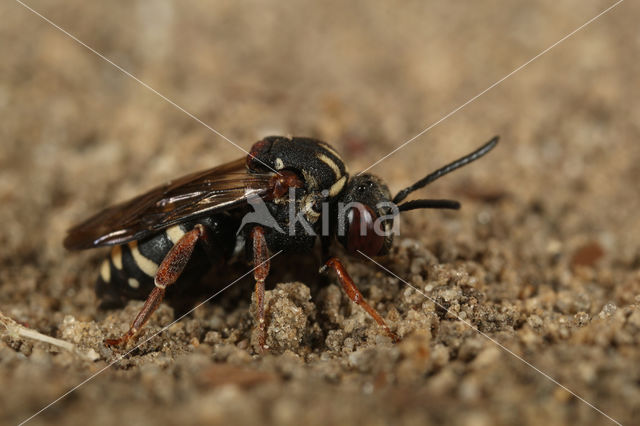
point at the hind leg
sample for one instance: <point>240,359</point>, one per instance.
<point>168,273</point>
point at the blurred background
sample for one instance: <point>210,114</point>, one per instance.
<point>77,134</point>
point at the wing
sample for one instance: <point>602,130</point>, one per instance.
<point>218,189</point>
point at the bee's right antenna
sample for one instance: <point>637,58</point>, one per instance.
<point>443,171</point>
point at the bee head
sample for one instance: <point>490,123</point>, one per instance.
<point>365,216</point>
<point>366,211</point>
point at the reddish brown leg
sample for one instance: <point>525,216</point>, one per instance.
<point>168,273</point>
<point>262,264</point>
<point>354,294</point>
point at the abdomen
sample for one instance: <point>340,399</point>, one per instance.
<point>129,270</point>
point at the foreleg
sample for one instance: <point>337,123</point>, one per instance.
<point>354,294</point>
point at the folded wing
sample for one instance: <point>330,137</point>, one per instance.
<point>218,189</point>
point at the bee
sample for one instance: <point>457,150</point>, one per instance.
<point>283,196</point>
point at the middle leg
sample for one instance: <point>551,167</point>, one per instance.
<point>261,264</point>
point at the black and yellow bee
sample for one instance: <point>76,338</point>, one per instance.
<point>168,237</point>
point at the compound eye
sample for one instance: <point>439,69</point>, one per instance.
<point>361,234</point>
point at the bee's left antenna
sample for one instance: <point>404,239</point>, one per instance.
<point>447,169</point>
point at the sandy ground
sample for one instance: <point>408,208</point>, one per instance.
<point>543,259</point>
